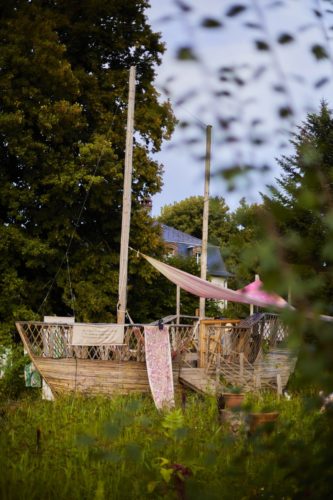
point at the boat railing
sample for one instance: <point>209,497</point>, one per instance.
<point>54,340</point>
<point>243,342</point>
<point>251,354</point>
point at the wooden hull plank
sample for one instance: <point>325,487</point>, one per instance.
<point>94,376</point>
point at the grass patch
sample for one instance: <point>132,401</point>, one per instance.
<point>123,447</point>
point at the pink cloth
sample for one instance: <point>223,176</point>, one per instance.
<point>159,366</point>
<point>255,290</point>
<point>209,290</point>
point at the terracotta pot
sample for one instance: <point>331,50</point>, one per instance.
<point>264,420</point>
<point>232,400</point>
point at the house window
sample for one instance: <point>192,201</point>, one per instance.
<point>197,254</point>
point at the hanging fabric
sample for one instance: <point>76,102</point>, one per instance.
<point>159,366</point>
<point>256,290</point>
<point>208,290</point>
<point>90,334</point>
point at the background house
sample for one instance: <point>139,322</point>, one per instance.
<point>179,243</point>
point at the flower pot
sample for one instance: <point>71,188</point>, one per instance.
<point>262,421</point>
<point>232,400</point>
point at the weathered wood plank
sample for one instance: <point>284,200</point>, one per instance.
<point>198,380</point>
<point>95,376</point>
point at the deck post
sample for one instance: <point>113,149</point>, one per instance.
<point>241,364</point>
<point>257,381</point>
<point>202,344</point>
<point>207,351</point>
<point>218,367</point>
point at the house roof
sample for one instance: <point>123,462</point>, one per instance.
<point>172,235</point>
<point>185,242</point>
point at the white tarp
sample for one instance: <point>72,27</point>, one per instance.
<point>91,334</point>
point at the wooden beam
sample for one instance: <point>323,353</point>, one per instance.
<point>127,202</point>
<point>178,305</point>
<point>205,215</point>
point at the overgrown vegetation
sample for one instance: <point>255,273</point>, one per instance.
<point>125,448</point>
<point>12,384</point>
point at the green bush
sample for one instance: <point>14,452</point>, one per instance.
<point>12,383</point>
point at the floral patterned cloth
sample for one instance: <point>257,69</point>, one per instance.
<point>159,366</point>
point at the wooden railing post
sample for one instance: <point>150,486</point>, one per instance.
<point>257,381</point>
<point>218,366</point>
<point>241,364</point>
<point>207,351</point>
<point>202,344</point>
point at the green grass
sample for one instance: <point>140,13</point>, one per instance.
<point>123,447</point>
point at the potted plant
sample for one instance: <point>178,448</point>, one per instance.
<point>232,398</point>
<point>262,420</point>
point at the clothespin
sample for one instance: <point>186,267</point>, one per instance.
<point>160,324</point>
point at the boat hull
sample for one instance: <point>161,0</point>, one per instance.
<point>107,370</point>
<point>92,377</point>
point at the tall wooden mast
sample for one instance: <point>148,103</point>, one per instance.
<point>127,202</point>
<point>205,217</point>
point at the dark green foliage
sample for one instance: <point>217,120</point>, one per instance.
<point>64,80</point>
<point>298,251</point>
<point>12,384</point>
<point>299,213</point>
<point>241,253</point>
<point>186,216</point>
<point>186,54</point>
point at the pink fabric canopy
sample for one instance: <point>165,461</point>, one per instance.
<point>208,290</point>
<point>255,290</point>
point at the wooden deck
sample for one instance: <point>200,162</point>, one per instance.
<point>198,380</point>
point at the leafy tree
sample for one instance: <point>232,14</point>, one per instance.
<point>64,73</point>
<point>241,250</point>
<point>299,210</point>
<point>186,215</point>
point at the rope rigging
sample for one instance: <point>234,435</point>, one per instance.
<point>70,286</point>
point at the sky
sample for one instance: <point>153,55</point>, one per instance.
<point>239,90</point>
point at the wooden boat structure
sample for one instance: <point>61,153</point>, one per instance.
<point>207,356</point>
